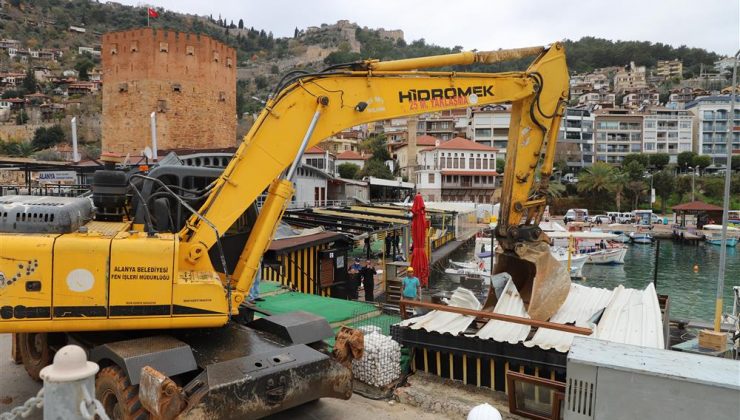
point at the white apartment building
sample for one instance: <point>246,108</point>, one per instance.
<point>489,126</point>
<point>576,137</point>
<point>457,170</point>
<point>712,119</point>
<point>667,131</point>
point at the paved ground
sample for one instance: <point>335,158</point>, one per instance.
<point>16,387</point>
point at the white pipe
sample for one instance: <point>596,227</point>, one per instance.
<point>75,155</point>
<point>153,117</point>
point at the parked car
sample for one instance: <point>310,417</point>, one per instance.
<point>602,219</point>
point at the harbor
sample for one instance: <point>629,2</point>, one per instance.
<point>203,219</point>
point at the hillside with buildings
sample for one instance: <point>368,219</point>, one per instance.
<point>626,97</point>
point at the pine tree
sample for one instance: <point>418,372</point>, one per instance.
<point>241,24</point>
<point>295,33</point>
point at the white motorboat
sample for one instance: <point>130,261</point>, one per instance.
<point>576,260</point>
<point>621,237</point>
<point>641,238</point>
<point>458,269</point>
<point>614,255</point>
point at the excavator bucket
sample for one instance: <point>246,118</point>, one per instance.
<point>542,281</point>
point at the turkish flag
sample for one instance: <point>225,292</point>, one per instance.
<point>152,13</point>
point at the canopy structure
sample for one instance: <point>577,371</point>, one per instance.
<point>704,212</point>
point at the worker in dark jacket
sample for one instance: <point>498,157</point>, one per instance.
<point>368,280</point>
<point>353,282</point>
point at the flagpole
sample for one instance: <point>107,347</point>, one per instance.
<point>147,17</point>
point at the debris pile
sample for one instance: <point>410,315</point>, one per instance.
<point>380,364</point>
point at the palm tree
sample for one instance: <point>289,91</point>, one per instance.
<point>555,190</point>
<point>619,179</point>
<point>596,180</point>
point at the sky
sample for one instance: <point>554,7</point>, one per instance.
<point>492,24</point>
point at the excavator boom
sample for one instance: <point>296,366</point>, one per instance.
<point>115,276</point>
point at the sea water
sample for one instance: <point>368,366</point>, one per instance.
<point>692,292</point>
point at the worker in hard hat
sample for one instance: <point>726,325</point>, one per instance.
<point>411,287</point>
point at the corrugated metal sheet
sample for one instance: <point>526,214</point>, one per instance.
<point>447,322</point>
<point>630,316</point>
<point>579,307</point>
<point>510,303</point>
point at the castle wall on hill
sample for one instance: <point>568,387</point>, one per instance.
<point>189,80</point>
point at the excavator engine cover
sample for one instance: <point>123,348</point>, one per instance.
<point>43,214</point>
<point>542,280</point>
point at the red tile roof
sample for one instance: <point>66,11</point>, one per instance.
<point>352,155</point>
<point>426,140</point>
<point>459,143</point>
<point>315,150</point>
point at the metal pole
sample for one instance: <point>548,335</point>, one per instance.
<point>75,155</point>
<point>655,271</point>
<point>726,203</point>
<point>153,123</point>
<point>304,143</point>
<point>693,172</point>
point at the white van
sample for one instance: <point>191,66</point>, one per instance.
<point>619,217</point>
<point>576,215</point>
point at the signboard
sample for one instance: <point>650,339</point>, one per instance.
<point>652,195</point>
<point>53,177</point>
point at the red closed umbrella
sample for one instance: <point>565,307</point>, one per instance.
<point>419,259</point>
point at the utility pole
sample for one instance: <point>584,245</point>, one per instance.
<point>726,203</point>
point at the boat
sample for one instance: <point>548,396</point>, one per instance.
<point>612,255</point>
<point>641,238</point>
<point>716,239</point>
<point>474,269</point>
<point>621,237</point>
<point>576,260</point>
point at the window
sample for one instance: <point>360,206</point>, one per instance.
<point>161,105</point>
<point>649,124</point>
<point>471,163</point>
<point>176,87</point>
<point>477,163</point>
<point>114,49</point>
<point>649,146</point>
<point>189,50</point>
<point>482,132</point>
<point>685,124</point>
<point>708,115</point>
<point>134,46</point>
<point>216,56</point>
<point>431,178</point>
<point>476,179</point>
<point>164,47</point>
<point>485,163</point>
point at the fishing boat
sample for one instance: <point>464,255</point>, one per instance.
<point>477,269</point>
<point>641,238</point>
<point>716,239</point>
<point>576,260</point>
<point>608,256</point>
<point>621,237</point>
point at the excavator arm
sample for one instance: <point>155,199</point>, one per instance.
<point>307,108</point>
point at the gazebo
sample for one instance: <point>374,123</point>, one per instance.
<point>700,209</point>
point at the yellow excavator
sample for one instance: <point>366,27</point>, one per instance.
<point>153,268</point>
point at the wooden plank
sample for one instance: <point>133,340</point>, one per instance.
<point>491,315</point>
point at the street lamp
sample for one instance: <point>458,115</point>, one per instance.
<point>693,173</point>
